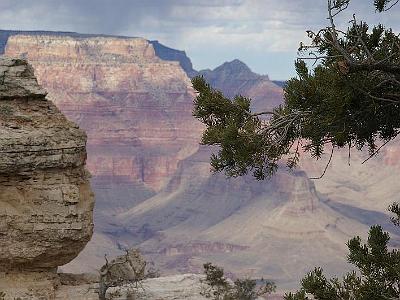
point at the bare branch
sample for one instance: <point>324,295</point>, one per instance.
<point>377,150</point>
<point>386,9</point>
<point>334,34</point>
<point>359,37</point>
<point>263,113</point>
<point>340,9</point>
<point>326,167</point>
<point>378,98</point>
<point>349,156</point>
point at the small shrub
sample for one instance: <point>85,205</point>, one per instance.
<point>128,270</point>
<point>218,287</point>
<point>377,276</point>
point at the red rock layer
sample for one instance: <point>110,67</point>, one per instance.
<point>135,108</point>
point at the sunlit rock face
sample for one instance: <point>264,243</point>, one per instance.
<point>135,107</point>
<point>45,198</point>
<point>46,203</point>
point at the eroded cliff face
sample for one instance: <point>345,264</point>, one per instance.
<point>135,107</point>
<point>46,204</point>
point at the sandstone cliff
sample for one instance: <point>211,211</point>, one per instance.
<point>162,51</point>
<point>46,203</point>
<point>135,107</point>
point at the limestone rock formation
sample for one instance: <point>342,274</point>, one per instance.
<point>46,203</point>
<point>162,51</point>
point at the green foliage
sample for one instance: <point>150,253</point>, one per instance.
<point>378,275</point>
<point>218,287</point>
<point>231,126</point>
<point>382,5</point>
<point>395,209</point>
<point>350,99</point>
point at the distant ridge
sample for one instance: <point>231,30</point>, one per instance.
<point>167,53</point>
<point>236,78</point>
<point>232,70</point>
<point>5,34</point>
<point>161,50</point>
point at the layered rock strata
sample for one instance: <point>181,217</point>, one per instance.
<point>46,203</point>
<point>135,107</point>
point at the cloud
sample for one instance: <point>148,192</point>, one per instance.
<point>252,28</point>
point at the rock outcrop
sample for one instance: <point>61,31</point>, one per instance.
<point>46,203</point>
<point>185,286</point>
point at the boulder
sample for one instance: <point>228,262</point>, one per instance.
<point>46,203</point>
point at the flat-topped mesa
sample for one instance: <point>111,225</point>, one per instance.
<point>69,49</point>
<point>46,203</point>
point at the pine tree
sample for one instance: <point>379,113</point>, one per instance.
<point>350,99</point>
<point>377,276</point>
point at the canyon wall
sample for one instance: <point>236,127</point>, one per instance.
<point>152,180</point>
<point>134,106</point>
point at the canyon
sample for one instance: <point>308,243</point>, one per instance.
<point>152,180</point>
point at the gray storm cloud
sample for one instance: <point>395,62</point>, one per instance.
<point>252,30</point>
<point>162,16</point>
<point>103,16</point>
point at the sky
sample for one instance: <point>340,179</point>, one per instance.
<point>265,34</point>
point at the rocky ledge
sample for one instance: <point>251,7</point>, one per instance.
<point>46,203</point>
<point>182,287</point>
